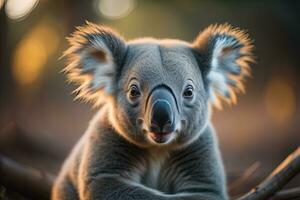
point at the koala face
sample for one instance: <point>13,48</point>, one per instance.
<point>159,91</point>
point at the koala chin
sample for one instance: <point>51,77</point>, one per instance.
<point>152,137</point>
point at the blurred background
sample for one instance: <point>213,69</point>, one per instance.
<point>40,122</point>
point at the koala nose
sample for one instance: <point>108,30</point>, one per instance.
<point>162,116</point>
<point>160,111</point>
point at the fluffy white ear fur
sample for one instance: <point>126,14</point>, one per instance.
<point>228,52</point>
<point>93,58</point>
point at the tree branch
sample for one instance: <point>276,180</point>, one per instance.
<point>25,180</point>
<point>287,194</point>
<point>289,168</point>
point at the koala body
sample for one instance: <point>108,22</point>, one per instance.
<point>152,137</point>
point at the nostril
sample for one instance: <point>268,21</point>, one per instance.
<point>168,123</point>
<point>168,127</point>
<point>155,127</point>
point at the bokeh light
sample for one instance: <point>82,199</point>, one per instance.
<point>29,59</point>
<point>19,9</point>
<point>115,9</point>
<point>280,100</point>
<point>32,53</point>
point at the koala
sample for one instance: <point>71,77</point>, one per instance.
<point>152,137</point>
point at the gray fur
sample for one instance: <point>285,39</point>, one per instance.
<point>115,159</point>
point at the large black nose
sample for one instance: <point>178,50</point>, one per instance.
<point>162,116</point>
<point>161,110</point>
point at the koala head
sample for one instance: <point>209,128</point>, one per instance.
<point>159,92</point>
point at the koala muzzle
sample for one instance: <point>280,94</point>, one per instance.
<point>161,111</point>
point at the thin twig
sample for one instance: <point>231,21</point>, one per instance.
<point>244,178</point>
<point>287,194</point>
<point>289,168</point>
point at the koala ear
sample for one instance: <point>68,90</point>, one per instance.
<point>226,53</point>
<point>94,59</point>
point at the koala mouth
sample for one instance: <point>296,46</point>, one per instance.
<point>160,138</point>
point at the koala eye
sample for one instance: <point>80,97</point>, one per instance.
<point>188,92</point>
<point>134,92</point>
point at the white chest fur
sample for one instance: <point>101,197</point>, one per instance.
<point>152,169</point>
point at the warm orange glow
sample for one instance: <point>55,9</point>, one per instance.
<point>18,9</point>
<point>280,100</point>
<point>32,53</point>
<point>29,59</point>
<point>1,3</point>
<point>48,36</point>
